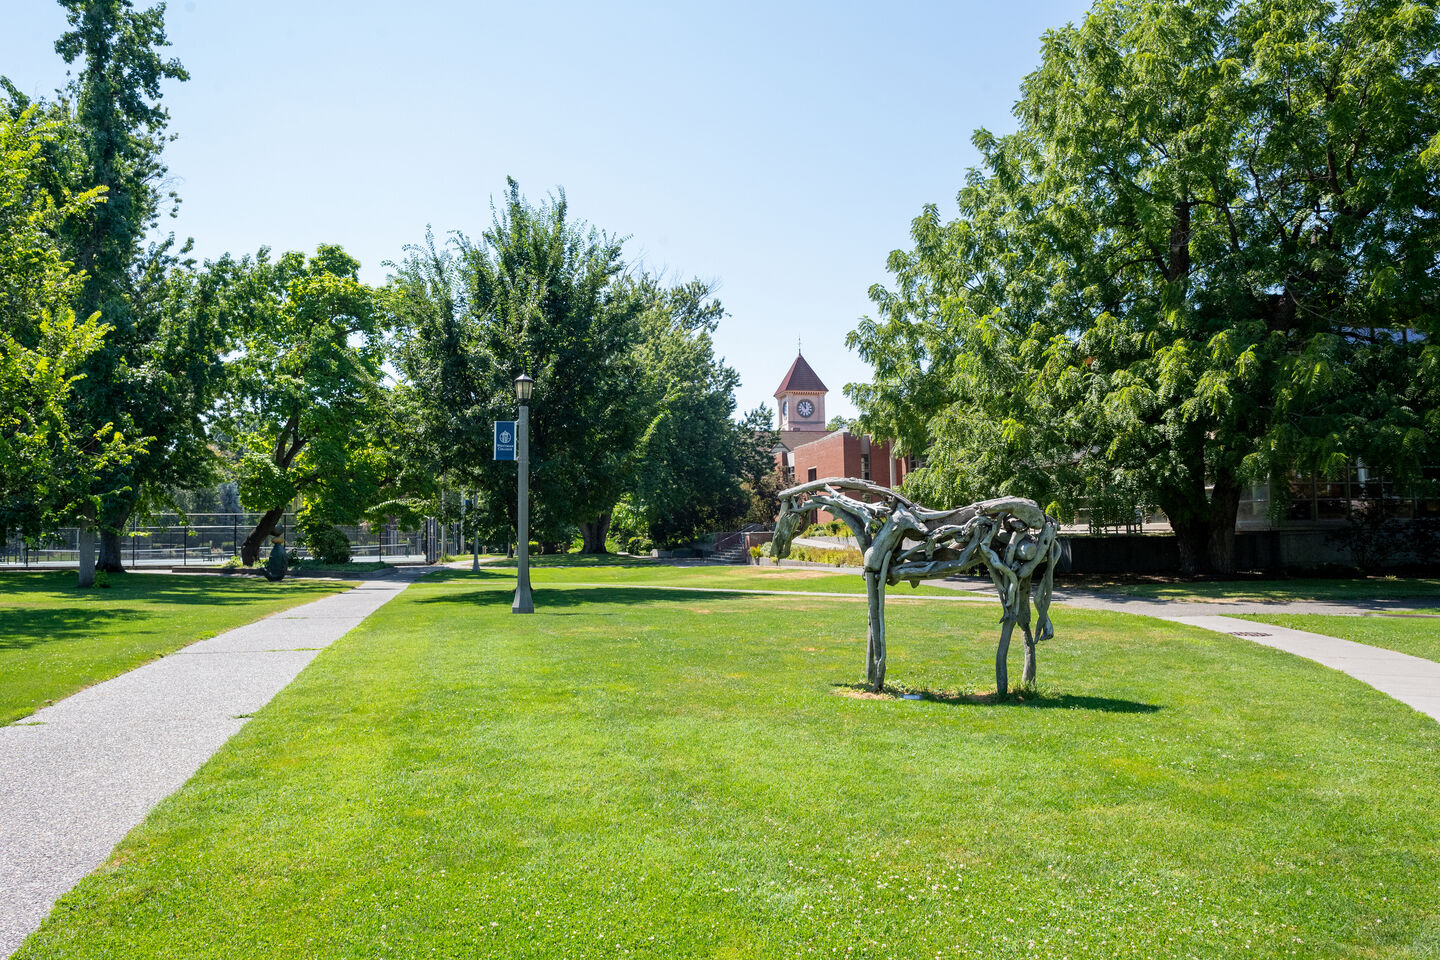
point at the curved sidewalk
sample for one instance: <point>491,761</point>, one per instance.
<point>77,776</point>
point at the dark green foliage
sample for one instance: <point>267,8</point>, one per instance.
<point>121,132</point>
<point>630,400</point>
<point>537,294</point>
<point>327,543</point>
<point>138,379</point>
<point>51,462</point>
<point>156,374</point>
<point>1207,256</point>
<point>692,459</point>
<point>762,489</point>
<point>308,407</point>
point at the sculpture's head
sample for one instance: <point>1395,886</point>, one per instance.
<point>786,526</point>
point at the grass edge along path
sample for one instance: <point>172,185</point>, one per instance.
<point>1416,636</point>
<point>667,775</point>
<point>56,640</point>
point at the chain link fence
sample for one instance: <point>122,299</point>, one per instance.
<point>210,538</point>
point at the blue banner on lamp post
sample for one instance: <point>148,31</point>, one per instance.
<point>504,439</point>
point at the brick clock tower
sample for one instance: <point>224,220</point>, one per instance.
<point>801,398</point>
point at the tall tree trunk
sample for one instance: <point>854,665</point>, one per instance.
<point>112,553</point>
<point>1192,537</point>
<point>250,549</point>
<point>1224,508</point>
<point>1182,497</point>
<point>116,515</point>
<point>86,551</point>
<point>1206,537</point>
<point>594,533</point>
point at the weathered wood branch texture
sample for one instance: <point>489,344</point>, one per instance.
<point>1012,538</point>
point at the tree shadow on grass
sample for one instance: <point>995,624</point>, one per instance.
<point>550,596</point>
<point>1029,699</point>
<point>484,574</point>
<point>558,560</point>
<point>58,587</point>
<point>26,628</point>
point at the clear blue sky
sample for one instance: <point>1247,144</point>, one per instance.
<point>780,149</point>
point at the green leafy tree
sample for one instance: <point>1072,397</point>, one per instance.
<point>762,492</point>
<point>50,463</point>
<point>114,135</point>
<point>1207,256</point>
<point>308,392</point>
<point>537,294</point>
<point>692,458</point>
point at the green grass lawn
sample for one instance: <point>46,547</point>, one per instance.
<point>56,639</point>
<point>623,571</point>
<point>1278,591</point>
<point>1417,636</point>
<point>664,774</point>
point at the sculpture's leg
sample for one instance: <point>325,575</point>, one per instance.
<point>1002,671</point>
<point>1028,677</point>
<point>875,638</point>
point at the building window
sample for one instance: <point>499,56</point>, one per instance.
<point>810,475</point>
<point>864,466</point>
<point>784,408</point>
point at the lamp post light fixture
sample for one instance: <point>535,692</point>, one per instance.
<point>523,388</point>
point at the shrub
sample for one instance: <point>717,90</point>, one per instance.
<point>328,544</point>
<point>834,528</point>
<point>839,558</point>
<point>102,579</point>
<point>234,563</point>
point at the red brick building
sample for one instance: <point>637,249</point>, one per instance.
<point>808,451</point>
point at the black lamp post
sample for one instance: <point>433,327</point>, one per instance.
<point>523,387</point>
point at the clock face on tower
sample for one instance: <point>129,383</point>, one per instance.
<point>805,408</point>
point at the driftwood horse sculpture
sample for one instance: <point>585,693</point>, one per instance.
<point>1012,538</point>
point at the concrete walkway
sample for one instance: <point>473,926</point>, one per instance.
<point>77,776</point>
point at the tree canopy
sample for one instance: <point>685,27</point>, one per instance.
<point>537,294</point>
<point>50,464</point>
<point>112,131</point>
<point>1208,255</point>
<point>630,404</point>
<point>691,462</point>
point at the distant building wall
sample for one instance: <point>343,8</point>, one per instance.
<point>844,454</point>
